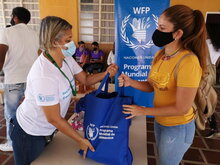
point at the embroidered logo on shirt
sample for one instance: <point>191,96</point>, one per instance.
<point>68,92</point>
<point>50,98</point>
<point>41,98</point>
<point>46,98</point>
<point>160,80</point>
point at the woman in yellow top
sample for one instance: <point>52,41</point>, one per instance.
<point>181,31</point>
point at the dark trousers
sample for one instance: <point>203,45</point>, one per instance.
<point>95,66</point>
<point>85,67</point>
<point>26,147</point>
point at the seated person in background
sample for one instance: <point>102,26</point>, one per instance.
<point>111,56</point>
<point>82,55</point>
<point>96,59</point>
<point>111,60</point>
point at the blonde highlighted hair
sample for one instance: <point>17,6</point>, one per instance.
<point>52,29</point>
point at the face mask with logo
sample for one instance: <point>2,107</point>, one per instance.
<point>71,48</point>
<point>162,38</point>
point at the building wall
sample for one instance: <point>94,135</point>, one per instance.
<point>68,9</point>
<point>203,5</point>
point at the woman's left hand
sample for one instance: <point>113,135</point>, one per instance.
<point>112,70</point>
<point>134,110</point>
<point>85,145</point>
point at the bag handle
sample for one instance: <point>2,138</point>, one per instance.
<point>121,91</point>
<point>104,82</point>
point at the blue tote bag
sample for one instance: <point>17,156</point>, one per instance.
<point>105,125</point>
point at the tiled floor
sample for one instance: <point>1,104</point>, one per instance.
<point>203,151</point>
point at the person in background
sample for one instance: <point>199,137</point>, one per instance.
<point>181,31</point>
<point>50,87</point>
<point>213,42</point>
<point>82,55</point>
<point>19,46</point>
<point>111,60</point>
<point>111,56</point>
<point>96,59</point>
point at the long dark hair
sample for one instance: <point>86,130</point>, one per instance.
<point>194,30</point>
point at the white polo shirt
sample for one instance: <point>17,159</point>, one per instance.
<point>46,86</point>
<point>23,45</point>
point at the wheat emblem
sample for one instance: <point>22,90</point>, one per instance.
<point>139,27</point>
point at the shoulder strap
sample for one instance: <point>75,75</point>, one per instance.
<point>178,63</point>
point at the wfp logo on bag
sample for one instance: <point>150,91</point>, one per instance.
<point>138,29</point>
<point>92,132</point>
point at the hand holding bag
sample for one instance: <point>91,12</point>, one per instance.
<point>105,126</point>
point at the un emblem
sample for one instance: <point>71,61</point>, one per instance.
<point>139,27</point>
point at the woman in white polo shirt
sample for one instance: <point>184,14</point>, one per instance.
<point>50,85</point>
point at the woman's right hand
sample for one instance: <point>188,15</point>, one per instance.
<point>84,145</point>
<point>124,80</point>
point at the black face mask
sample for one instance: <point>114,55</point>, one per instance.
<point>12,22</point>
<point>94,49</point>
<point>162,38</point>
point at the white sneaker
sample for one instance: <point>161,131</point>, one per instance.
<point>6,147</point>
